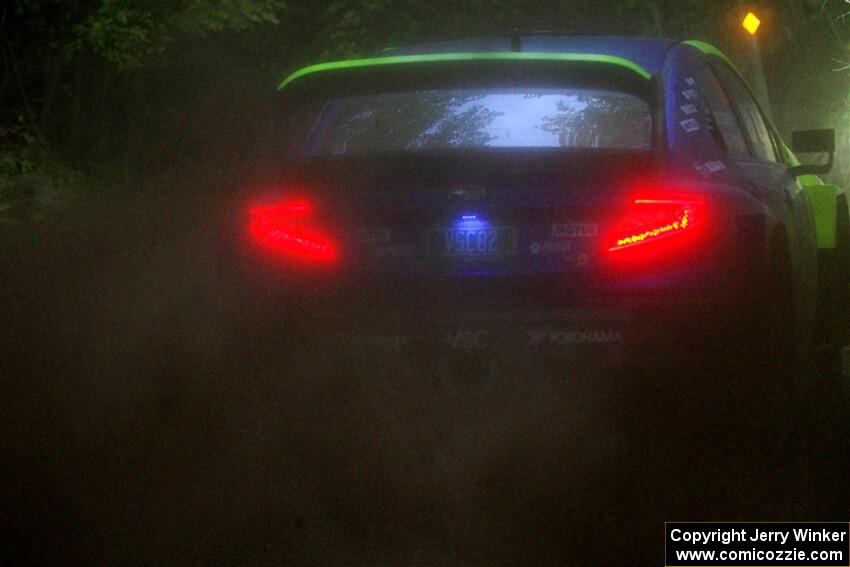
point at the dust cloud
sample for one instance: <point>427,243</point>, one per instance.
<point>141,427</point>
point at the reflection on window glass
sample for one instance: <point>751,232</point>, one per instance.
<point>478,118</point>
<point>753,120</point>
<point>724,114</point>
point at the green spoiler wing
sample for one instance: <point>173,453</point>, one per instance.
<point>450,57</point>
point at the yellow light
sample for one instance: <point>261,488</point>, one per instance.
<point>751,23</point>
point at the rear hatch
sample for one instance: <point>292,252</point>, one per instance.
<point>475,215</point>
<point>469,178</point>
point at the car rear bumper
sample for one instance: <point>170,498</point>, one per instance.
<point>620,333</point>
<point>549,331</point>
<point>670,315</point>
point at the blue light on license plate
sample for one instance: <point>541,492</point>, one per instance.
<point>468,241</point>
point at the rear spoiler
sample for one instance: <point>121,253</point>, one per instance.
<point>453,59</point>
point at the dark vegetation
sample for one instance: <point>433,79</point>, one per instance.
<point>131,433</point>
<point>133,93</point>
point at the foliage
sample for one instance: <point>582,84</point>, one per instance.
<point>147,83</point>
<point>204,16</point>
<point>121,33</point>
<point>33,180</point>
<point>127,33</point>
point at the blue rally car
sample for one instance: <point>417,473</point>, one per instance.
<point>626,197</point>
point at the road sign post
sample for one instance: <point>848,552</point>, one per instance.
<point>751,23</point>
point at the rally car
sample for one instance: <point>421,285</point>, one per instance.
<point>544,193</point>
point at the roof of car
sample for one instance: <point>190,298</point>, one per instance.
<point>649,53</point>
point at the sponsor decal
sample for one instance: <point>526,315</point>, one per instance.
<point>550,247</point>
<point>467,193</point>
<point>547,337</point>
<point>575,230</point>
<point>709,167</point>
<point>714,166</point>
<point>690,125</point>
<point>534,338</point>
<point>556,247</point>
<point>468,339</point>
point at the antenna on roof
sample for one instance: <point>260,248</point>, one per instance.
<point>517,35</point>
<point>516,40</point>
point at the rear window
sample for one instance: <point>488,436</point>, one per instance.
<point>479,119</point>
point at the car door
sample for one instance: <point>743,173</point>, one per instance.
<point>763,169</point>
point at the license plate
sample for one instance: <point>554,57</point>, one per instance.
<point>490,241</point>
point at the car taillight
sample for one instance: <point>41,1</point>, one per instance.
<point>289,228</point>
<point>654,224</point>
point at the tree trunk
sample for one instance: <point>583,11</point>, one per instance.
<point>75,136</point>
<point>54,79</point>
<point>104,111</point>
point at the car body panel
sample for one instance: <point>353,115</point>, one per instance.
<point>825,210</point>
<point>787,209</point>
<point>388,205</point>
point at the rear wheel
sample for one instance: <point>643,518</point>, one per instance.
<point>770,349</point>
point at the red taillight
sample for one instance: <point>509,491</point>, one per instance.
<point>288,228</point>
<point>655,223</point>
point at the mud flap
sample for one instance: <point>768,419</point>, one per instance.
<point>833,329</point>
<point>824,209</point>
